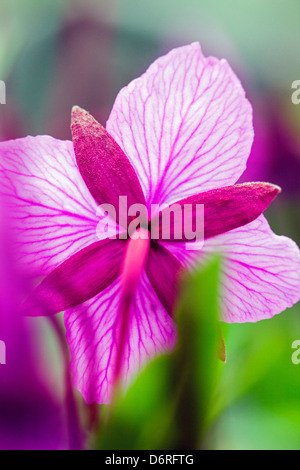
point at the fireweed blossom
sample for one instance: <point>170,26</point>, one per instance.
<point>182,133</point>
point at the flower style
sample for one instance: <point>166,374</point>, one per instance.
<point>182,133</point>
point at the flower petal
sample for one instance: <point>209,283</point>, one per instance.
<point>261,271</point>
<point>79,278</point>
<point>103,165</point>
<point>185,125</point>
<point>224,209</point>
<point>92,330</point>
<point>164,271</point>
<point>51,210</point>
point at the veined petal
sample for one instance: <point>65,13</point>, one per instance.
<point>185,124</point>
<point>103,165</point>
<point>164,271</point>
<point>51,211</point>
<point>224,209</point>
<point>261,271</point>
<point>79,278</point>
<point>93,331</point>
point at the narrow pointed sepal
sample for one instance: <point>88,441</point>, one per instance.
<point>103,165</point>
<point>77,279</point>
<point>225,209</point>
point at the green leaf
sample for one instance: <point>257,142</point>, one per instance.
<point>196,355</point>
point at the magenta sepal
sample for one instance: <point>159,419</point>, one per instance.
<point>103,165</point>
<point>225,209</point>
<point>78,279</point>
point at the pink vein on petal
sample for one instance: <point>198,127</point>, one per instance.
<point>185,124</point>
<point>51,212</point>
<point>93,335</point>
<point>260,273</point>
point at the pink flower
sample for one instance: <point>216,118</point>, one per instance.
<point>181,132</point>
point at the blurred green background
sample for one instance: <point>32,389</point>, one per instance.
<point>58,53</point>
